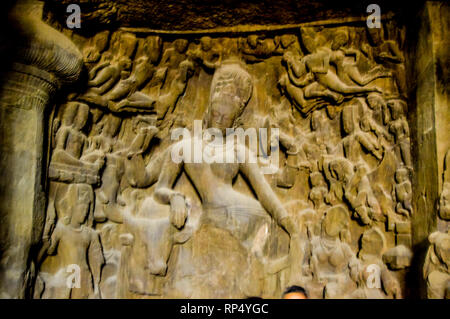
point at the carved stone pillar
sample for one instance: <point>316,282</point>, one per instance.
<point>42,60</point>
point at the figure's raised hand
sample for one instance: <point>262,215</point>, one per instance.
<point>289,225</point>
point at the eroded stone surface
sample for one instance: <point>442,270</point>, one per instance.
<point>336,215</point>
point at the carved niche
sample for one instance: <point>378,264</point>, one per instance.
<point>141,225</point>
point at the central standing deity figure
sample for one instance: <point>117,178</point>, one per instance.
<point>224,207</point>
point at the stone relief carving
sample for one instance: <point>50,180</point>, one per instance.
<point>340,203</point>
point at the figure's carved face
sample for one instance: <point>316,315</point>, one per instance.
<point>181,45</point>
<point>375,35</point>
<point>206,43</point>
<point>375,101</point>
<point>223,112</point>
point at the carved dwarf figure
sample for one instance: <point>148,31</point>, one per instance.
<point>403,192</point>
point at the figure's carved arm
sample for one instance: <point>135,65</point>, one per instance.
<point>267,196</point>
<point>93,72</point>
<point>169,173</point>
<point>54,240</point>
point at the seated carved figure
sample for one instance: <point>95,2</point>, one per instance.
<point>223,206</point>
<point>338,172</point>
<point>70,161</point>
<point>74,243</point>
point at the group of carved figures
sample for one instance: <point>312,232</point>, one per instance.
<point>113,206</point>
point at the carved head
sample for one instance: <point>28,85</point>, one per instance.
<point>206,43</point>
<point>127,43</point>
<point>153,48</point>
<point>124,63</point>
<point>181,45</point>
<point>373,244</point>
<point>375,101</point>
<point>316,179</point>
<point>375,36</point>
<point>231,90</point>
<point>316,120</point>
<point>401,175</point>
<point>107,56</point>
<point>397,108</point>
<point>253,40</point>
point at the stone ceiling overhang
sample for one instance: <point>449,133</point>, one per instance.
<point>192,16</point>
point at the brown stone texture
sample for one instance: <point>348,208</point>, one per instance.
<point>206,149</point>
